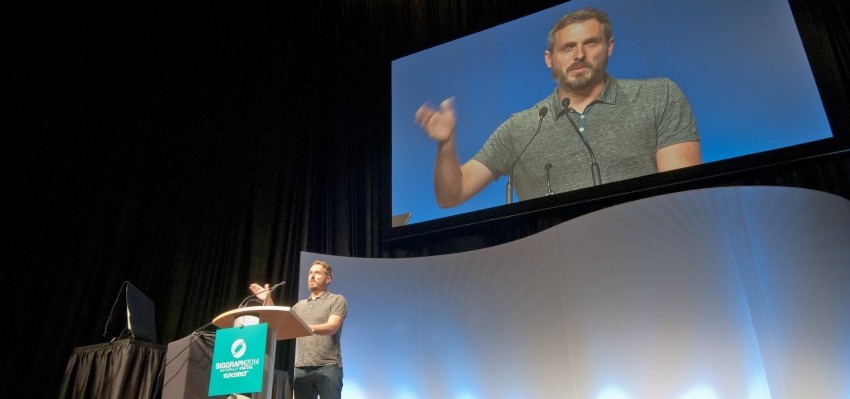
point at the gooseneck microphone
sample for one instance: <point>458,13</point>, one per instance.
<point>509,188</point>
<point>253,297</point>
<point>594,167</point>
<point>272,290</point>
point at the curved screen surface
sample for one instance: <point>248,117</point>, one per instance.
<point>715,293</point>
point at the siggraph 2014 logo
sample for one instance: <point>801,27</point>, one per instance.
<point>238,348</point>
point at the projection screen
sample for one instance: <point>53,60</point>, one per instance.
<point>742,66</point>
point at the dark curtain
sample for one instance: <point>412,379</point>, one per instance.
<point>192,150</point>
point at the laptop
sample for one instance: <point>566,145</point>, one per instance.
<point>132,316</point>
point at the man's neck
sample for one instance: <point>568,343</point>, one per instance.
<point>579,100</point>
<point>315,294</point>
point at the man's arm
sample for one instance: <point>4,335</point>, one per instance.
<point>328,328</point>
<point>453,183</point>
<point>678,155</point>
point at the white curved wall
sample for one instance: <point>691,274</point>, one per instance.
<point>716,293</point>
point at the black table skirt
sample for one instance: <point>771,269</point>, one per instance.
<point>120,369</point>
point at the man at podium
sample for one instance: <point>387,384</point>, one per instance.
<point>318,359</point>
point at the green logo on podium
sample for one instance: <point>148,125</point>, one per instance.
<point>238,358</point>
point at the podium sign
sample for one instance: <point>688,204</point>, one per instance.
<point>280,323</point>
<point>238,357</point>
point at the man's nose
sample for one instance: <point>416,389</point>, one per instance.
<point>579,52</point>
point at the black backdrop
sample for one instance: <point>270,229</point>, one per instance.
<point>194,149</point>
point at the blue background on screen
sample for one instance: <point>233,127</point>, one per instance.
<point>741,64</point>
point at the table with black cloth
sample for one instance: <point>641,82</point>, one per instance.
<point>124,368</point>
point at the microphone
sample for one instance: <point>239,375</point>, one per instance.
<point>272,290</point>
<point>509,188</point>
<point>253,297</point>
<point>548,180</point>
<point>594,167</point>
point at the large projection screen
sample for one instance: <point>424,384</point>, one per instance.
<point>716,293</point>
<point>742,66</point>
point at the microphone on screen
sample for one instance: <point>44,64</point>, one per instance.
<point>509,188</point>
<point>594,167</point>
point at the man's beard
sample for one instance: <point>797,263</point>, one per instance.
<point>594,75</point>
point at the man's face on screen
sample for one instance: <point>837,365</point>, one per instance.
<point>580,55</point>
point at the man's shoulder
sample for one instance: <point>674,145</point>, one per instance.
<point>334,296</point>
<point>337,304</point>
<point>533,112</point>
<point>646,90</point>
<point>638,84</point>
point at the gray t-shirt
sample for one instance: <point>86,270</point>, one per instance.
<point>624,127</point>
<point>320,350</point>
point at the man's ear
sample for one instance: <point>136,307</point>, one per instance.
<point>547,56</point>
<point>610,46</point>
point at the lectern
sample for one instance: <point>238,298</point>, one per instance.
<point>282,324</point>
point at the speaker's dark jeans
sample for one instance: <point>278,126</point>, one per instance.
<point>324,381</point>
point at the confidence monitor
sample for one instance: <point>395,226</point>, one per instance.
<point>741,65</point>
<point>401,219</point>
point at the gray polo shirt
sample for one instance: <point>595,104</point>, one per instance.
<point>625,127</point>
<point>320,350</point>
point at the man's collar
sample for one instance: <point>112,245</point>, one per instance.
<point>609,93</point>
<point>320,296</point>
<point>608,96</point>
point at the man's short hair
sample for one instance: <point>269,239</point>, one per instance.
<point>328,270</point>
<point>580,16</point>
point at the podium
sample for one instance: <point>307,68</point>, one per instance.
<point>282,324</point>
